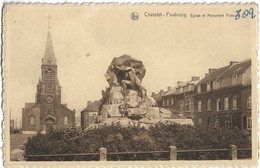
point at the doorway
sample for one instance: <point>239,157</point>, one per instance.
<point>50,125</point>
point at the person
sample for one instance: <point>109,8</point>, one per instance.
<point>131,80</point>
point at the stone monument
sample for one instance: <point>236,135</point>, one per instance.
<point>126,98</point>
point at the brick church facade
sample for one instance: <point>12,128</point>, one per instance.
<point>47,113</point>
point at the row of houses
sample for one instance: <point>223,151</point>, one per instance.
<point>222,98</point>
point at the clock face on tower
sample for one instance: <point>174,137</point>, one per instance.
<point>49,99</point>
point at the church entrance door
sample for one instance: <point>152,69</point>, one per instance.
<point>49,127</point>
<point>49,122</point>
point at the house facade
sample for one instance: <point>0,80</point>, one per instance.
<point>90,114</point>
<point>223,97</point>
<point>179,99</point>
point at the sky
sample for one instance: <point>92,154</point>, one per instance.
<point>86,38</point>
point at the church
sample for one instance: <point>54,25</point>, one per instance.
<point>47,113</point>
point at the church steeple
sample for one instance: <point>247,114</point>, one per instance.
<point>39,82</point>
<point>49,56</point>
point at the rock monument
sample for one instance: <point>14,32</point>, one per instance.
<point>126,98</point>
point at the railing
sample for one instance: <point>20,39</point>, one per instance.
<point>173,153</point>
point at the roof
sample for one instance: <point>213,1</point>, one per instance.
<point>237,68</point>
<point>29,105</point>
<point>226,71</point>
<point>187,83</point>
<point>213,75</point>
<point>158,97</point>
<point>93,106</point>
<point>170,92</point>
<point>49,56</point>
<point>65,107</point>
<point>183,84</point>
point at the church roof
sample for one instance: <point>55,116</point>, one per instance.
<point>49,56</point>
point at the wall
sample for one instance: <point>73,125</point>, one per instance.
<point>209,117</point>
<point>61,113</point>
<point>26,119</point>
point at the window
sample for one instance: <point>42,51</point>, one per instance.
<point>46,76</point>
<point>32,120</point>
<point>198,89</point>
<point>172,101</point>
<point>209,104</point>
<point>234,102</point>
<point>249,123</point>
<point>208,86</point>
<point>226,103</point>
<point>217,83</point>
<point>218,104</point>
<point>188,105</point>
<point>199,105</point>
<point>189,88</point>
<point>181,104</point>
<point>168,102</point>
<point>249,103</point>
<point>65,120</point>
<point>234,79</point>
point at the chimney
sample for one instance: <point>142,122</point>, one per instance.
<point>211,69</point>
<point>89,103</point>
<point>195,78</point>
<point>153,94</point>
<point>206,74</point>
<point>232,63</point>
<point>161,92</point>
<point>169,88</point>
<point>179,82</point>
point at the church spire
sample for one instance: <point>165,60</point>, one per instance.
<point>39,82</point>
<point>49,57</point>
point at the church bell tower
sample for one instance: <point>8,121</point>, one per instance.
<point>48,88</point>
<point>47,113</point>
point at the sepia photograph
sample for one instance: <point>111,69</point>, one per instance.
<point>122,84</point>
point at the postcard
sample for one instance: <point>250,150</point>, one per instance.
<point>119,85</point>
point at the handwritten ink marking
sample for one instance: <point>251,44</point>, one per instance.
<point>246,12</point>
<point>251,11</point>
<point>238,14</point>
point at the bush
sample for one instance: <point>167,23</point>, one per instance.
<point>135,138</point>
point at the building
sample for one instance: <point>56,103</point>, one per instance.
<point>90,114</point>
<point>47,113</point>
<point>179,99</point>
<point>223,97</point>
<point>158,97</point>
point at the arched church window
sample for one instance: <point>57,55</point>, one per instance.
<point>46,76</point>
<point>32,120</point>
<point>66,120</point>
<point>52,76</point>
